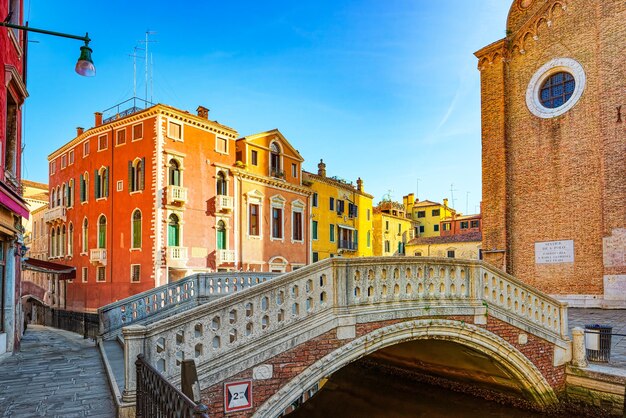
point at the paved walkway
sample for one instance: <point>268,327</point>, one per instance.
<point>56,374</point>
<point>616,318</point>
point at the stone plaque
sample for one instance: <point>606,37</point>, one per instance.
<point>554,252</point>
<point>615,287</point>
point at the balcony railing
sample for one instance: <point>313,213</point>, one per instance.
<point>176,194</point>
<point>177,256</point>
<point>98,256</point>
<point>345,244</point>
<point>54,214</point>
<point>225,256</point>
<point>224,203</point>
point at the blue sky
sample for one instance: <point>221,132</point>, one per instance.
<point>385,90</point>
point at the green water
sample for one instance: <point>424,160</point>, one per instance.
<point>360,392</point>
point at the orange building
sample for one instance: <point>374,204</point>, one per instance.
<point>140,200</point>
<point>273,213</point>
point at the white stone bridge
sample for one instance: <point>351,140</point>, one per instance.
<point>458,318</point>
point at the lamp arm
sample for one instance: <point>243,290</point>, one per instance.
<point>85,38</point>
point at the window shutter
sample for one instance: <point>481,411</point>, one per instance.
<point>82,188</point>
<point>106,182</point>
<point>130,176</point>
<point>143,173</point>
<point>96,183</point>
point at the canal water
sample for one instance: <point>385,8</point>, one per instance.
<point>365,392</point>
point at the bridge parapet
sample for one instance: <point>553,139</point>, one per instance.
<point>174,297</point>
<point>231,334</point>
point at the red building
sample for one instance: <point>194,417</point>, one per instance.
<point>12,205</point>
<point>458,225</point>
<point>141,200</point>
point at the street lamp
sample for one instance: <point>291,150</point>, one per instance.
<point>84,66</point>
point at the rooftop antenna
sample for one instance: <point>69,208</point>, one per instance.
<point>467,202</point>
<point>135,56</point>
<point>388,195</point>
<point>417,188</point>
<point>452,190</point>
<point>147,42</point>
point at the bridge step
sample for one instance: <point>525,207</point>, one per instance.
<point>115,357</point>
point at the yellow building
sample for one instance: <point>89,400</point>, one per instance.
<point>428,214</point>
<point>341,223</point>
<point>392,229</point>
<point>466,246</point>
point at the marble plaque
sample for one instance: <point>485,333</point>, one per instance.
<point>554,252</point>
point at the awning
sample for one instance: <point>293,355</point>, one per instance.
<point>14,203</point>
<point>41,266</point>
<point>346,227</point>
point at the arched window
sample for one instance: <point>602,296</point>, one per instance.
<point>102,232</point>
<point>63,242</point>
<point>222,185</point>
<point>53,237</point>
<point>58,243</point>
<point>84,187</point>
<point>173,231</point>
<point>136,175</point>
<point>174,173</point>
<point>85,237</point>
<point>58,196</point>
<point>70,240</point>
<point>64,195</point>
<point>102,183</point>
<point>275,169</point>
<point>221,235</point>
<point>136,229</point>
<point>70,193</point>
<point>53,198</point>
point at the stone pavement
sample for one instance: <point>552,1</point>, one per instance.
<point>56,374</point>
<point>616,318</point>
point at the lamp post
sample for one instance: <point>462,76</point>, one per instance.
<point>84,65</point>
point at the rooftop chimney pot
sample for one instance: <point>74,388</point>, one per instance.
<point>79,130</point>
<point>98,117</point>
<point>203,112</point>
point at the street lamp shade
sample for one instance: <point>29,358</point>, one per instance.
<point>85,66</point>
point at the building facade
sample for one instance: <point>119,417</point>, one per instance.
<point>392,229</point>
<point>427,215</point>
<point>553,156</point>
<point>12,205</point>
<point>342,216</point>
<point>461,224</point>
<point>272,213</point>
<point>463,245</point>
<point>141,200</point>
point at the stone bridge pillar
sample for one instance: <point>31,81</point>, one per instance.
<point>134,336</point>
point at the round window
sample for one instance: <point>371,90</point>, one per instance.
<point>555,88</point>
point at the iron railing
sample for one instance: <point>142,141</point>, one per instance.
<point>156,397</point>
<point>84,323</point>
<point>345,244</point>
<point>127,107</point>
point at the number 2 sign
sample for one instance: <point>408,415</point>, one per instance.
<point>237,395</point>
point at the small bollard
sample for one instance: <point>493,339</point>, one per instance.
<point>189,380</point>
<point>579,353</point>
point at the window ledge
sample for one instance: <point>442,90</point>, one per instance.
<point>135,192</point>
<point>101,198</point>
<point>259,237</point>
<point>134,250</point>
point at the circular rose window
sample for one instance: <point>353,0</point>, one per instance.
<point>555,88</point>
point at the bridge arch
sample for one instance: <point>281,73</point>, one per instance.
<point>531,381</point>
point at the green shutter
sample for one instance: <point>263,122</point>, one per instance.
<point>130,176</point>
<point>106,183</point>
<point>143,174</point>
<point>221,239</point>
<point>96,183</point>
<point>82,188</point>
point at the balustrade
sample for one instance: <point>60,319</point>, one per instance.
<point>98,256</point>
<point>297,302</point>
<point>176,194</point>
<point>224,203</point>
<point>55,214</point>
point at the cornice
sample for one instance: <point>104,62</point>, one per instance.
<point>331,182</point>
<point>155,110</point>
<point>271,181</point>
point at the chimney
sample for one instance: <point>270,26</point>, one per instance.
<point>410,199</point>
<point>79,130</point>
<point>203,112</point>
<point>445,202</point>
<point>98,116</point>
<point>321,169</point>
<point>359,184</point>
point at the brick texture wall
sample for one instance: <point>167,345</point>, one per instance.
<point>562,177</point>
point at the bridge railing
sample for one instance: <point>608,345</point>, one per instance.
<point>310,299</point>
<point>180,295</point>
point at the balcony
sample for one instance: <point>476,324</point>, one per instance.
<point>176,194</point>
<point>224,203</point>
<point>177,256</point>
<point>98,256</point>
<point>348,245</point>
<point>225,256</point>
<point>55,214</point>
